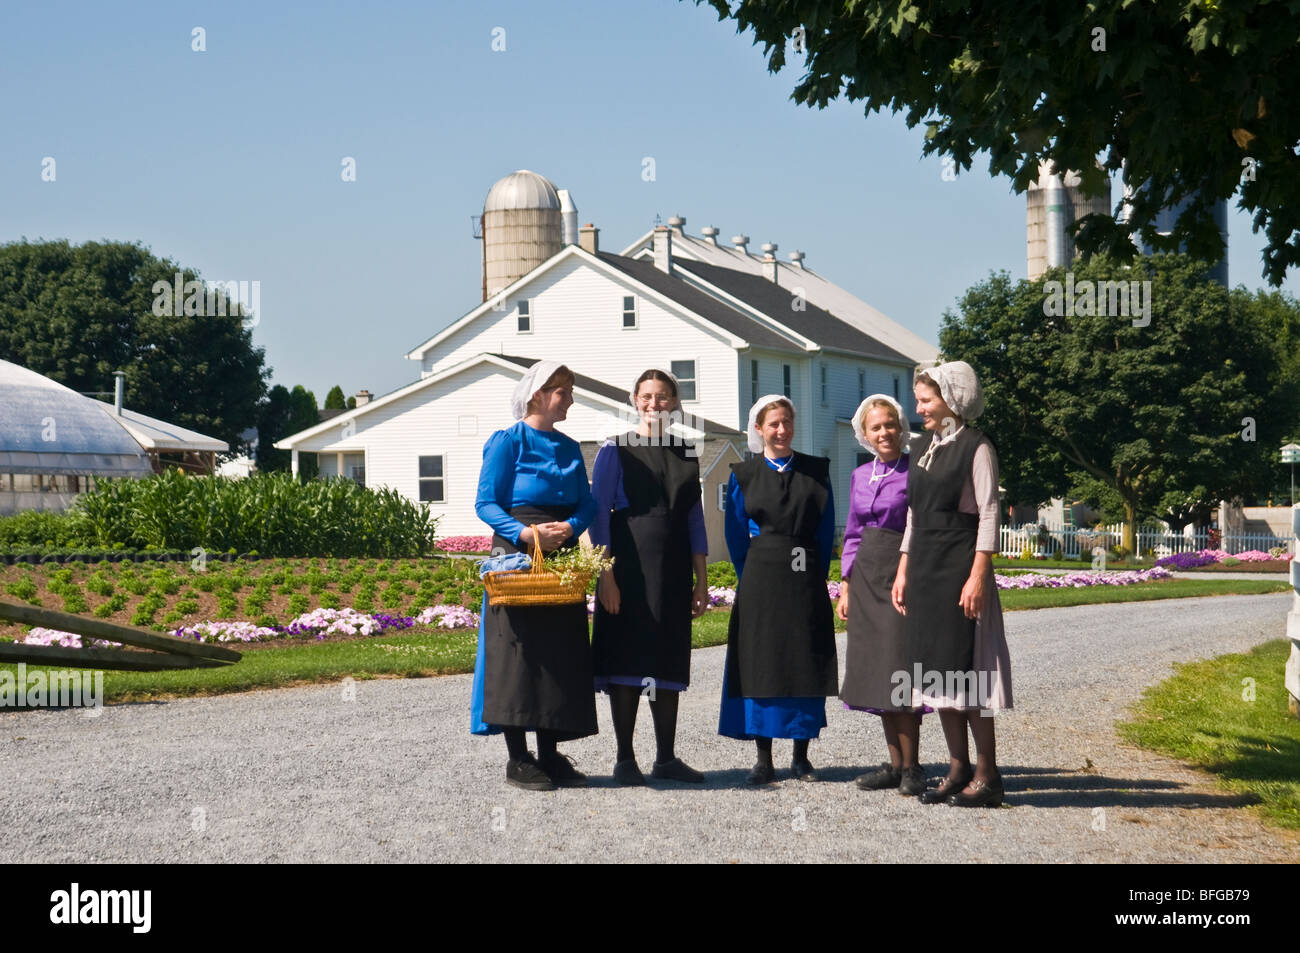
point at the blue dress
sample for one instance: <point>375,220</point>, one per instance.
<point>525,469</point>
<point>749,718</point>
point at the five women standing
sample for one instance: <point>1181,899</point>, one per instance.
<point>919,593</point>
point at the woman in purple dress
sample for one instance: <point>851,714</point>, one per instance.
<point>868,564</point>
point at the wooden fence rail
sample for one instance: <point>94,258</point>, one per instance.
<point>168,652</point>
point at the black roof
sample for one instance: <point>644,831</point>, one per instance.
<point>706,306</point>
<point>777,302</point>
<point>614,393</point>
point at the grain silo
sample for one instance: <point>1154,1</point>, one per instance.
<point>522,227</point>
<point>1052,205</point>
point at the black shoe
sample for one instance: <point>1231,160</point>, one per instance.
<point>524,773</point>
<point>559,768</point>
<point>676,770</point>
<point>762,774</point>
<point>947,788</point>
<point>885,776</point>
<point>986,794</point>
<point>802,769</point>
<point>913,782</point>
<point>628,774</point>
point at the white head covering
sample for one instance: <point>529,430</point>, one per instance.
<point>756,443</point>
<point>904,437</point>
<point>530,384</point>
<point>959,387</point>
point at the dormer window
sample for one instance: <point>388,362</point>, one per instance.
<point>525,312</point>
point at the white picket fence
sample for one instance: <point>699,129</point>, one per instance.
<point>1075,541</point>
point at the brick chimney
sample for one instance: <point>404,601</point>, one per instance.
<point>589,238</point>
<point>364,397</point>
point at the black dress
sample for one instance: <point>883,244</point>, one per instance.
<point>941,551</point>
<point>781,638</point>
<point>538,673</point>
<point>650,636</point>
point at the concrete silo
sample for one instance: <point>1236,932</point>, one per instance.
<point>522,227</point>
<point>1052,204</point>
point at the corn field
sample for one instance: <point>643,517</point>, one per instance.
<point>272,514</point>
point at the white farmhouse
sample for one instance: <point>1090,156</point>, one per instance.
<point>730,325</point>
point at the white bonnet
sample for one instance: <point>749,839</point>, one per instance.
<point>533,380</point>
<point>755,438</point>
<point>959,387</point>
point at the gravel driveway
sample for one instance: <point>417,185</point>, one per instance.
<point>393,775</point>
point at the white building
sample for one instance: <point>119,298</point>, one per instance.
<point>730,325</point>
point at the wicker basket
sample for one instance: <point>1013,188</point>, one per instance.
<point>536,586</point>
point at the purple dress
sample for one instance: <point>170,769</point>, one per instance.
<point>872,536</point>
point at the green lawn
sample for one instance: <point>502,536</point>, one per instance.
<point>426,651</point>
<point>1204,715</point>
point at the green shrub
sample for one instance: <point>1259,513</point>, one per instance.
<point>298,604</point>
<point>330,600</point>
<point>114,605</point>
<point>269,513</point>
<point>24,589</point>
<point>722,574</point>
<point>227,606</point>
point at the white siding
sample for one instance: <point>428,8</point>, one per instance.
<point>577,317</point>
<point>452,418</point>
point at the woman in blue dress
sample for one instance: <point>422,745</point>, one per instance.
<point>780,530</point>
<point>533,671</point>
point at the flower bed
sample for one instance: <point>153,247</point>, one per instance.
<point>1211,557</point>
<point>319,623</point>
<point>1079,580</point>
<point>464,544</point>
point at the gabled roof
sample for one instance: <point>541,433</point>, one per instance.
<point>705,305</point>
<point>817,289</point>
<point>613,397</point>
<point>743,330</point>
<point>779,303</point>
<point>618,394</point>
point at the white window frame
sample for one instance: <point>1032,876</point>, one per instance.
<point>636,316</point>
<point>695,380</point>
<point>420,480</point>
<point>825,386</point>
<point>527,305</point>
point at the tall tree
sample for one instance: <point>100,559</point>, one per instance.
<point>285,413</point>
<point>1173,407</point>
<point>334,400</point>
<point>1191,99</point>
<point>78,313</point>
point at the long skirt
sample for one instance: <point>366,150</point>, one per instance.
<point>533,668</point>
<point>876,660</point>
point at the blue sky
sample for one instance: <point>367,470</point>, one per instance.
<point>228,160</point>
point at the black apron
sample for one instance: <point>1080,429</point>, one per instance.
<point>941,552</point>
<point>876,646</point>
<point>650,636</point>
<point>781,639</point>
<point>538,658</point>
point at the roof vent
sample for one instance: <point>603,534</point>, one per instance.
<point>796,259</point>
<point>677,224</point>
<point>769,248</point>
<point>740,241</point>
<point>710,234</point>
